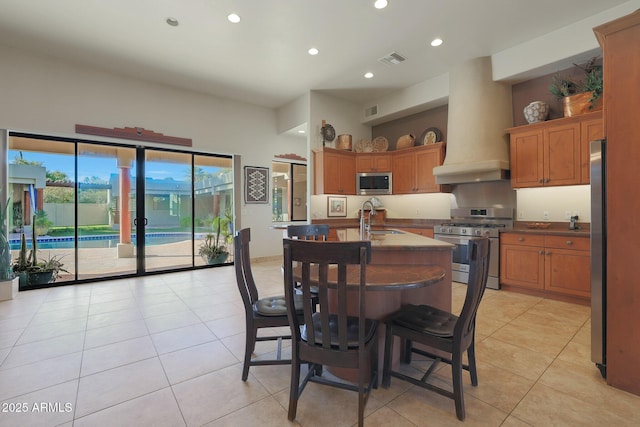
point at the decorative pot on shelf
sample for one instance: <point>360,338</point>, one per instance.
<point>537,111</point>
<point>580,103</point>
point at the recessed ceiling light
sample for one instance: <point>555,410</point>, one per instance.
<point>380,4</point>
<point>300,131</point>
<point>313,51</point>
<point>234,17</point>
<point>436,42</point>
<point>368,75</point>
<point>173,22</point>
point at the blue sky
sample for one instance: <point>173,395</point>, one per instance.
<point>102,167</point>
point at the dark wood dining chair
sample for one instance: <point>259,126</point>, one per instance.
<point>268,312</point>
<point>441,330</point>
<point>330,336</point>
<point>308,232</point>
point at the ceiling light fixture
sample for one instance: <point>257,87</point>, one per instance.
<point>380,4</point>
<point>300,131</point>
<point>313,51</point>
<point>436,42</point>
<point>234,17</point>
<point>368,75</point>
<point>172,21</point>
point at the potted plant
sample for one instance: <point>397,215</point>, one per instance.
<point>214,248</point>
<point>8,281</point>
<point>579,95</point>
<point>32,272</point>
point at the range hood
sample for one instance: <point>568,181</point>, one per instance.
<point>479,112</point>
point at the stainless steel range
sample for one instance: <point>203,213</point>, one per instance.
<point>472,223</point>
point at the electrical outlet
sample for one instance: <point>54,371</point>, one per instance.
<point>567,214</point>
<point>417,212</point>
<point>520,214</point>
<point>545,215</point>
<point>576,213</point>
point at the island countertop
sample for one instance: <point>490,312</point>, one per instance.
<point>392,240</point>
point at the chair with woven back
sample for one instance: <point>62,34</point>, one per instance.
<point>330,336</point>
<point>443,331</point>
<point>268,312</point>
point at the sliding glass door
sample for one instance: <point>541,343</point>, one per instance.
<point>168,237</point>
<point>106,206</point>
<point>109,210</point>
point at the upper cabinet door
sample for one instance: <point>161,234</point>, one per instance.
<point>562,155</point>
<point>526,159</point>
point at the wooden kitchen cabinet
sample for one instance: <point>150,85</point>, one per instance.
<point>591,129</point>
<point>335,172</point>
<point>373,162</point>
<point>413,169</point>
<point>553,153</point>
<point>545,263</point>
<point>620,42</point>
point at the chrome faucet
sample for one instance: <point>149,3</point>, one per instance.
<point>365,228</point>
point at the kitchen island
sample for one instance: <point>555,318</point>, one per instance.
<point>395,247</point>
<point>399,247</point>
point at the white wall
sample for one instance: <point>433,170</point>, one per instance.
<point>557,201</point>
<point>46,96</point>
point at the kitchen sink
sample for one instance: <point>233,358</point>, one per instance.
<point>374,232</point>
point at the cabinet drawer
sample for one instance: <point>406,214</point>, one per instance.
<point>521,239</point>
<point>564,242</point>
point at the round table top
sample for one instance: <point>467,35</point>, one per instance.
<point>386,276</point>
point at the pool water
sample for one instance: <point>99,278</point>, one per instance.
<point>104,241</point>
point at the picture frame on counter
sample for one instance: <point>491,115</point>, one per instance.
<point>336,206</point>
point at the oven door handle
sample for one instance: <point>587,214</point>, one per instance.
<point>455,240</point>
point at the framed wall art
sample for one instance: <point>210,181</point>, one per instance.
<point>256,184</point>
<point>336,206</point>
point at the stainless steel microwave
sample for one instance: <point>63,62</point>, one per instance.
<point>374,183</point>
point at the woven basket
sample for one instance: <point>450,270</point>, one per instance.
<point>577,104</point>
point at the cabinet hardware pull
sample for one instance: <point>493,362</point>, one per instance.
<point>548,253</point>
<point>546,180</point>
<point>540,252</point>
<point>569,242</point>
<point>540,180</point>
<point>520,239</point>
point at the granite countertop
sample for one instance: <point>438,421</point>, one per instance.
<point>555,229</point>
<point>396,240</point>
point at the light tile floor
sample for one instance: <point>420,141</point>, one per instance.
<point>165,351</point>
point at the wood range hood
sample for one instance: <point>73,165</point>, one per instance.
<point>479,112</point>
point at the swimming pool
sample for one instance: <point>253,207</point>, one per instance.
<point>103,241</point>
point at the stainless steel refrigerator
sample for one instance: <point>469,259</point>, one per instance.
<point>599,256</point>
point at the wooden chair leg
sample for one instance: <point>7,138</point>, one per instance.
<point>471,355</point>
<point>456,373</point>
<point>294,390</point>
<point>249,347</point>
<point>386,367</point>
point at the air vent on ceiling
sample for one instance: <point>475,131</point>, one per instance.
<point>394,58</point>
<point>371,111</point>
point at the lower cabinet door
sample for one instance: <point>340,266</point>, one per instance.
<point>522,266</point>
<point>568,271</point>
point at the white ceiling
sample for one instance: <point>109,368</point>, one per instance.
<point>263,60</point>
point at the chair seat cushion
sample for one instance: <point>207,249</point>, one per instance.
<point>276,305</point>
<point>425,318</point>
<point>352,330</point>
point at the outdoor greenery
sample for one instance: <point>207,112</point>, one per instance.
<point>6,272</point>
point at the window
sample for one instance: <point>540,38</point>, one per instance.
<point>289,184</point>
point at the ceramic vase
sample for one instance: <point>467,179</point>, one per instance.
<point>537,111</point>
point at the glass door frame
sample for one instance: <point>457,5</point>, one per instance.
<point>140,202</point>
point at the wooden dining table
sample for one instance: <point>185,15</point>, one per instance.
<point>388,287</point>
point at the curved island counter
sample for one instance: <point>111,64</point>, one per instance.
<point>399,247</point>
